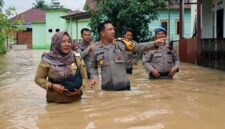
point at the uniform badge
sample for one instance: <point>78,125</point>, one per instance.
<point>101,62</point>
<point>119,57</point>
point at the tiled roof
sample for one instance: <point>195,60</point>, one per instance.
<point>30,16</point>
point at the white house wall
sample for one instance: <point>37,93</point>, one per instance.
<point>207,17</point>
<point>215,9</point>
<point>74,27</point>
<point>207,20</point>
<point>193,16</point>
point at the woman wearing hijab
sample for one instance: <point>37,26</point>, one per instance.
<point>61,72</point>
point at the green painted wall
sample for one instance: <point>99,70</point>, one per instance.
<point>74,27</point>
<point>174,16</point>
<point>41,35</point>
<point>38,36</point>
<point>53,22</point>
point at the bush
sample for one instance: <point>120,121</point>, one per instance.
<point>2,45</point>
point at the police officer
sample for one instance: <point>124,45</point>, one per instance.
<point>108,54</point>
<point>131,57</point>
<point>85,47</point>
<point>163,61</point>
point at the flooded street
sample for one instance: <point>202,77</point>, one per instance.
<point>195,99</point>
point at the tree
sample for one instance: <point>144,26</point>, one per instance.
<point>134,14</point>
<point>1,4</point>
<point>7,28</point>
<point>40,4</point>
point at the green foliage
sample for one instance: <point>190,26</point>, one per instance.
<point>2,45</point>
<point>40,4</point>
<point>134,14</point>
<point>7,28</point>
<point>1,4</point>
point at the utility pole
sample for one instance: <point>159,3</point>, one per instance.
<point>181,18</point>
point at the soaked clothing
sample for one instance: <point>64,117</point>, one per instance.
<point>163,75</point>
<point>111,60</point>
<point>162,59</point>
<point>74,81</point>
<point>85,55</point>
<point>45,77</point>
<point>131,59</point>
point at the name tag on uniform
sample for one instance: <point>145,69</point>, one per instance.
<point>77,54</point>
<point>169,52</point>
<point>157,54</point>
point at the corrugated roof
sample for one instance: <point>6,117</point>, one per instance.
<point>77,16</point>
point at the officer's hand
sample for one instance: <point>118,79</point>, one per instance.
<point>172,71</point>
<point>160,41</point>
<point>58,88</point>
<point>44,53</point>
<point>135,62</point>
<point>90,47</point>
<point>75,93</point>
<point>93,83</point>
<point>155,73</point>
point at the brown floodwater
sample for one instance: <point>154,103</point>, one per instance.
<point>195,99</point>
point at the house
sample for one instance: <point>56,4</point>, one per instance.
<point>208,47</point>
<point>212,43</point>
<point>58,19</point>
<point>169,19</point>
<point>40,25</point>
<point>76,22</point>
<point>44,29</point>
<point>213,19</point>
<point>27,17</point>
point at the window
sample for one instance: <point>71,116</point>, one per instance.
<point>50,30</point>
<point>177,27</point>
<point>164,24</point>
<point>57,30</point>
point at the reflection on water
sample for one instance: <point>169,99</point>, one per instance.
<point>194,99</point>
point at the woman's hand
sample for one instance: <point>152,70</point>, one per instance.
<point>58,88</point>
<point>93,83</point>
<point>75,93</point>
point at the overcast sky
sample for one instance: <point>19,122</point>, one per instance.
<point>23,5</point>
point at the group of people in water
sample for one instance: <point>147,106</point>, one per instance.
<point>67,68</point>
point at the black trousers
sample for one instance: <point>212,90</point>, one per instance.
<point>129,70</point>
<point>163,75</point>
